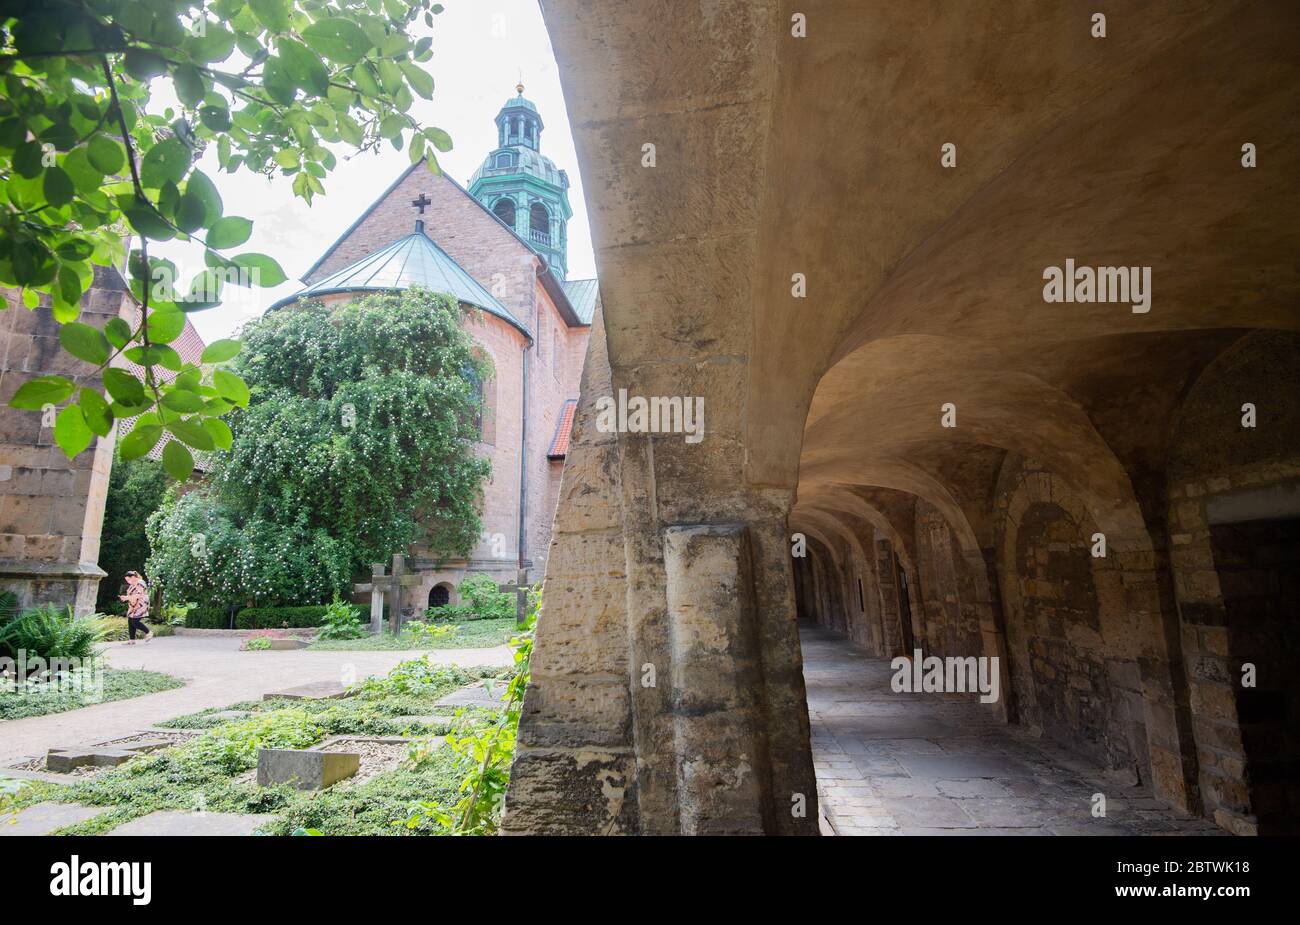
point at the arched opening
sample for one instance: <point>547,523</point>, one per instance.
<point>539,224</point>
<point>440,595</point>
<point>504,209</point>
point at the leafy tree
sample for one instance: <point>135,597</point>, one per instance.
<point>360,432</point>
<point>88,156</point>
<point>135,490</point>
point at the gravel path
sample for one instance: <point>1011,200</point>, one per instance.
<point>215,673</point>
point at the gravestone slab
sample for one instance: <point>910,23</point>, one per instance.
<point>304,769</point>
<point>476,695</point>
<point>316,690</point>
<point>65,760</point>
<point>44,818</point>
<point>279,645</point>
<point>170,822</point>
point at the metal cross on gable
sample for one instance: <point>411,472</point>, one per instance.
<point>421,202</point>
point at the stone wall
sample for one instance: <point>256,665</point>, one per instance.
<point>51,508</point>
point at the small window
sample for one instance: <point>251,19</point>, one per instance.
<point>439,596</point>
<point>505,210</point>
<point>505,159</point>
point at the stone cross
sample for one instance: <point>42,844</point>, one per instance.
<point>421,202</point>
<point>519,587</point>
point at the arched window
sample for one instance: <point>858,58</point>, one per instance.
<point>439,596</point>
<point>505,159</point>
<point>539,224</point>
<point>504,209</point>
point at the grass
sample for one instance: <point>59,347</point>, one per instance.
<point>470,634</point>
<point>207,772</point>
<point>118,685</point>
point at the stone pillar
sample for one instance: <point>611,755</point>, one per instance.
<point>376,598</point>
<point>51,508</point>
<point>395,603</point>
<point>723,772</point>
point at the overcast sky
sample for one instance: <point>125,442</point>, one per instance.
<point>481,49</point>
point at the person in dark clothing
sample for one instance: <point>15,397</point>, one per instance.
<point>137,607</point>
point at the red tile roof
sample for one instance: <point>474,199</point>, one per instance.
<point>560,442</point>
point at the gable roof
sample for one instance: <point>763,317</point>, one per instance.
<point>563,430</point>
<point>583,295</point>
<point>554,287</point>
<point>413,260</point>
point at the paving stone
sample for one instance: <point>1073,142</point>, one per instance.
<point>960,768</point>
<point>317,690</point>
<point>304,768</point>
<point>173,822</point>
<point>475,695</point>
<point>931,812</point>
<point>44,818</point>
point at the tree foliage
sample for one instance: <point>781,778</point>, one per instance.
<point>89,156</point>
<point>358,441</point>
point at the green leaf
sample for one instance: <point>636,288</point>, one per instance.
<point>231,387</point>
<point>189,85</point>
<point>167,160</point>
<point>99,418</point>
<point>71,432</point>
<point>35,394</point>
<point>155,355</point>
<point>439,139</point>
<point>141,439</point>
<point>419,79</point>
<point>219,351</point>
<point>304,66</point>
<point>274,14</point>
<point>122,385</point>
<point>214,45</point>
<point>146,220</point>
<point>191,431</point>
<point>165,326</point>
<point>177,460</point>
<point>84,342</point>
<point>182,401</point>
<point>264,270</point>
<point>200,186</point>
<point>230,231</point>
<point>144,65</point>
<point>340,40</point>
<point>220,432</point>
<point>106,155</point>
<point>118,332</point>
<point>27,159</point>
<point>58,186</point>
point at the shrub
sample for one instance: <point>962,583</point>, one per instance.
<point>340,622</point>
<point>263,618</point>
<point>487,603</point>
<point>208,618</point>
<point>453,612</point>
<point>49,631</point>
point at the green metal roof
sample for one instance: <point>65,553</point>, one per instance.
<point>583,294</point>
<point>410,261</point>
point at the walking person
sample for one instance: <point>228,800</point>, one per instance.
<point>137,607</point>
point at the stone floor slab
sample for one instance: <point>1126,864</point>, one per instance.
<point>173,822</point>
<point>44,818</point>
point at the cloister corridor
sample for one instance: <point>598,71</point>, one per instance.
<point>941,764</point>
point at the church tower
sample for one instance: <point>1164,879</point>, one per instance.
<point>523,187</point>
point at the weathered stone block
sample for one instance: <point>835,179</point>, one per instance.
<point>304,769</point>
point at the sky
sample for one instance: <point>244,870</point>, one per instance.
<point>482,48</point>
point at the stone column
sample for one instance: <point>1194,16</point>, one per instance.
<point>723,772</point>
<point>395,594</point>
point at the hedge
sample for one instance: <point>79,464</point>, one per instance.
<point>208,618</point>
<point>270,618</point>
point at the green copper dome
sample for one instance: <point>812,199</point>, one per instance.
<point>523,187</point>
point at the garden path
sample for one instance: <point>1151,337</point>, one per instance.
<point>216,673</point>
